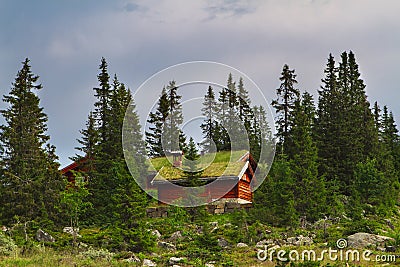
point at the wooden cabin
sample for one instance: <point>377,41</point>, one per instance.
<point>239,180</point>
<point>76,166</point>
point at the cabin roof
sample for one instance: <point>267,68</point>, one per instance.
<point>222,164</point>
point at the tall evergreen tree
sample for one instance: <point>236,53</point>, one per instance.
<point>157,121</point>
<point>102,94</point>
<point>223,141</point>
<point>310,194</point>
<point>244,105</point>
<point>30,180</point>
<point>209,126</point>
<point>284,104</point>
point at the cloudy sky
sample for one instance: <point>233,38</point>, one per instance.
<point>66,39</point>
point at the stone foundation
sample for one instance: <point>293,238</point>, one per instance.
<point>216,207</point>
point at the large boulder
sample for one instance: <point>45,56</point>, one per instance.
<point>362,240</point>
<point>42,236</point>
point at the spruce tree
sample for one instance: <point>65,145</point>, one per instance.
<point>30,182</point>
<point>209,127</point>
<point>103,99</point>
<point>309,193</point>
<point>284,104</point>
<point>164,134</point>
<point>157,121</point>
<point>223,142</point>
<point>190,166</point>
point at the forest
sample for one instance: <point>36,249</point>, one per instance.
<point>335,174</point>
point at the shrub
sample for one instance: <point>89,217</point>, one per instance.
<point>7,245</point>
<point>97,254</point>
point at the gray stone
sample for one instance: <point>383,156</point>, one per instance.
<point>147,262</point>
<point>174,260</point>
<point>156,233</point>
<point>214,224</point>
<point>304,240</point>
<point>219,211</point>
<point>363,240</point>
<point>390,249</point>
<point>132,258</point>
<point>71,231</point>
<point>241,245</point>
<point>389,223</point>
<point>42,236</point>
<point>166,245</point>
<point>176,236</point>
<point>222,243</point>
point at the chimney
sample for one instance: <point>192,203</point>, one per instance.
<point>177,158</point>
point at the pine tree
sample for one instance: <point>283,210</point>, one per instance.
<point>190,167</point>
<point>209,127</point>
<point>88,142</point>
<point>103,100</point>
<point>223,141</point>
<point>30,182</point>
<point>310,192</point>
<point>328,123</point>
<point>119,101</point>
<point>284,104</point>
<point>275,193</point>
<point>164,134</point>
<point>157,121</point>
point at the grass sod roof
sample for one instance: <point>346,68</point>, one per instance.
<point>221,165</point>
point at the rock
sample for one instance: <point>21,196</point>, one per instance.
<point>267,231</point>
<point>210,264</point>
<point>175,265</point>
<point>82,245</point>
<point>71,231</point>
<point>222,243</point>
<point>291,240</point>
<point>4,228</point>
<point>299,240</point>
<point>263,243</point>
<point>381,249</point>
<point>214,224</point>
<point>304,240</point>
<point>156,233</point>
<point>176,236</point>
<point>389,223</point>
<point>241,245</point>
<point>132,258</point>
<point>166,245</point>
<point>42,236</point>
<point>219,211</point>
<point>363,240</point>
<point>147,262</point>
<point>390,249</point>
<point>174,260</point>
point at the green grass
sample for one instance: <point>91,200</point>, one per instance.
<point>224,163</point>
